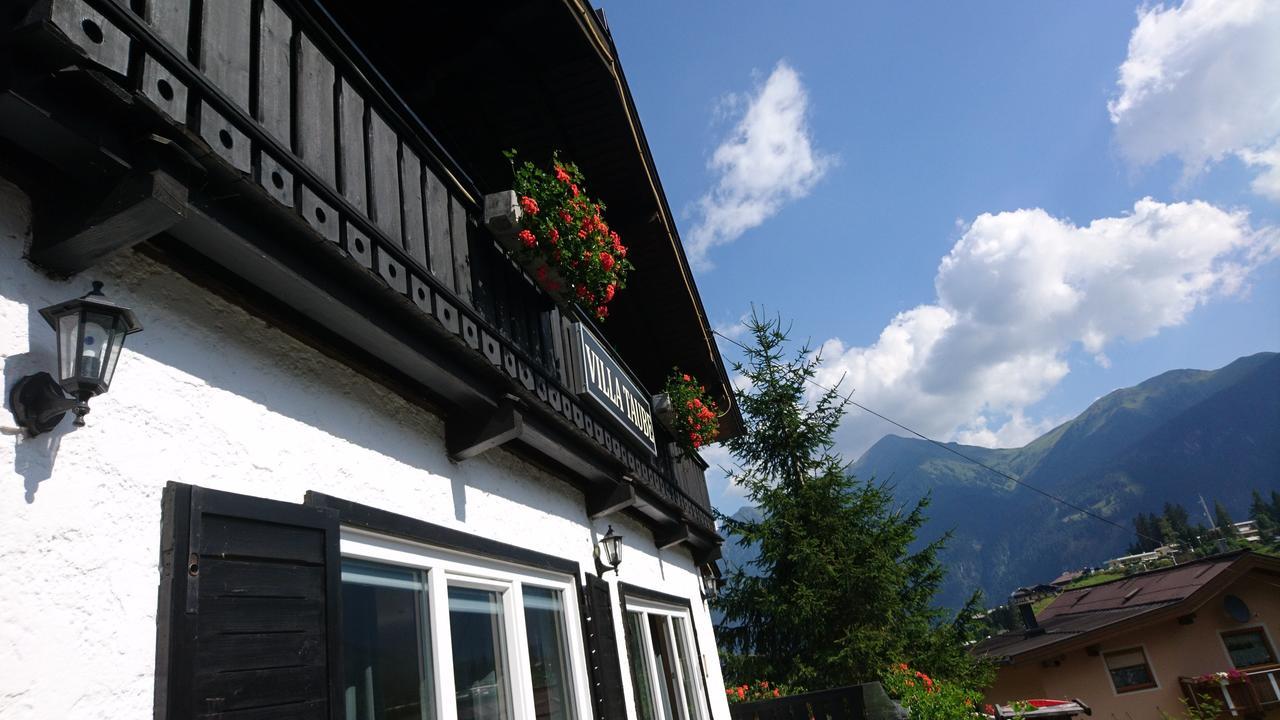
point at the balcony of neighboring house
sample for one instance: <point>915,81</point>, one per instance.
<point>334,182</point>
<point>1250,693</point>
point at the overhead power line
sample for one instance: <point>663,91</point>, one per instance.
<point>1060,500</point>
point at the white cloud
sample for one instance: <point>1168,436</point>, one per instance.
<point>767,160</point>
<point>1018,291</point>
<point>1202,82</point>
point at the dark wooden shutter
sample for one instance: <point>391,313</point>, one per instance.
<point>247,626</point>
<point>602,648</point>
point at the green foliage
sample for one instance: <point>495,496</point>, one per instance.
<point>927,698</point>
<point>759,690</point>
<point>564,234</point>
<point>697,417</point>
<point>834,595</point>
<point>1204,708</point>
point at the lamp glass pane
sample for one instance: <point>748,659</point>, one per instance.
<point>610,543</point>
<point>68,335</point>
<point>95,344</point>
<point>113,354</point>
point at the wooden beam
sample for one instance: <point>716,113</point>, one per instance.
<point>467,437</point>
<point>608,502</point>
<point>140,207</point>
<point>672,535</point>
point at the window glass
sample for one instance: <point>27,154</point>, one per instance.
<point>1129,670</point>
<point>691,672</point>
<point>664,663</point>
<point>641,683</point>
<point>386,671</point>
<point>479,654</point>
<point>1248,648</point>
<point>548,653</point>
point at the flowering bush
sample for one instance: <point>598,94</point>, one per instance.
<point>696,420</point>
<point>929,699</point>
<point>758,690</point>
<point>562,231</point>
<point>1221,676</point>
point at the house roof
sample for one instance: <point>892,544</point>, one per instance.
<point>1067,577</point>
<point>470,72</point>
<point>1084,614</point>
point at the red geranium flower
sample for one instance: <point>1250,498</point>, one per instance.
<point>529,204</point>
<point>528,238</point>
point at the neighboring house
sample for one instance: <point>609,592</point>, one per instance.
<point>1066,578</point>
<point>354,465</point>
<point>1248,530</point>
<point>1125,647</point>
<point>1143,559</point>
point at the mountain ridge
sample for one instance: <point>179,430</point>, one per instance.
<point>1168,438</point>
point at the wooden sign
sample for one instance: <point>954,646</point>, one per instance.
<point>603,382</point>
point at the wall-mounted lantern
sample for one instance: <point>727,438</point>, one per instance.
<point>608,549</point>
<point>710,581</point>
<point>91,331</point>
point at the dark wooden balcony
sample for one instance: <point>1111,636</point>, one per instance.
<point>255,134</point>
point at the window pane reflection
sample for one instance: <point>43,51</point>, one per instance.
<point>641,686</point>
<point>690,671</point>
<point>664,662</point>
<point>385,634</point>
<point>548,653</point>
<point>479,654</point>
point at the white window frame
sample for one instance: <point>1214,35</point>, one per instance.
<point>445,568</point>
<point>673,615</point>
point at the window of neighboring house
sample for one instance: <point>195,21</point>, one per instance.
<point>1248,647</point>
<point>424,631</point>
<point>665,673</point>
<point>1129,670</point>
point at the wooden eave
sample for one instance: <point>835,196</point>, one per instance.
<point>542,76</point>
<point>74,125</point>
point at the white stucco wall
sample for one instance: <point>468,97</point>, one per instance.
<point>211,396</point>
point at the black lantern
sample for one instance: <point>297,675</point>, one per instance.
<point>608,547</point>
<point>710,581</point>
<point>91,331</point>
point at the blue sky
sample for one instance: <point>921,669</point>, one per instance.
<point>823,158</point>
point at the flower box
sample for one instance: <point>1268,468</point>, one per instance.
<point>502,216</point>
<point>664,412</point>
<point>549,224</point>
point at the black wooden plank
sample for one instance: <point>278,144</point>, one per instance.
<point>258,614</point>
<point>384,176</point>
<point>351,145</point>
<point>439,244</point>
<point>171,19</point>
<point>224,58</point>
<point>315,90</point>
<point>259,651</point>
<point>317,710</point>
<point>460,232</point>
<point>275,83</point>
<point>220,578</point>
<point>415,231</point>
<point>236,537</point>
<point>101,41</point>
<point>221,692</point>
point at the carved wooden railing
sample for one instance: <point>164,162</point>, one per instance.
<point>286,100</point>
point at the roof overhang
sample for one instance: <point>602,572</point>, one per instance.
<point>540,77</point>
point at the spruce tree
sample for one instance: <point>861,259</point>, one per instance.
<point>835,595</point>
<point>1226,527</point>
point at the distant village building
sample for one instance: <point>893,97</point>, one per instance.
<point>1134,647</point>
<point>361,461</point>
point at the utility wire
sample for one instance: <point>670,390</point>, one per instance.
<point>1063,501</point>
